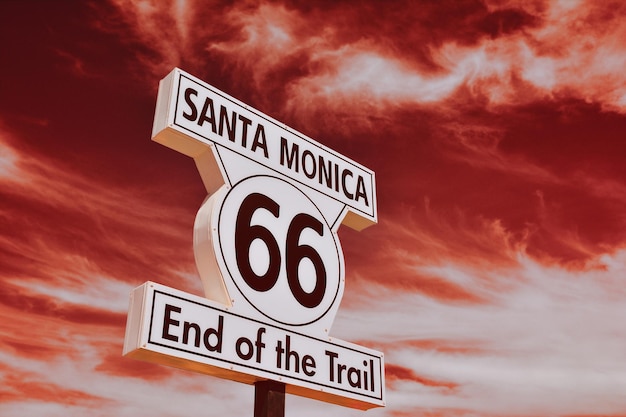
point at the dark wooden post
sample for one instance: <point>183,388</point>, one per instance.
<point>269,399</point>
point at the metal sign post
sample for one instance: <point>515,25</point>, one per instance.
<point>268,254</point>
<point>269,399</point>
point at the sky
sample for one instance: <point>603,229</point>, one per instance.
<point>495,279</point>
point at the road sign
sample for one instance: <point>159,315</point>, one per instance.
<point>267,251</point>
<point>174,328</point>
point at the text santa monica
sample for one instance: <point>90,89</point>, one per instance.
<point>258,138</point>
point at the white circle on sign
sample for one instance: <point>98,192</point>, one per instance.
<point>279,250</point>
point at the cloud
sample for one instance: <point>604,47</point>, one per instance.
<point>85,390</point>
<point>525,53</point>
<point>163,27</point>
<point>8,160</point>
<point>44,243</point>
<point>304,64</point>
<point>545,340</point>
<point>72,250</point>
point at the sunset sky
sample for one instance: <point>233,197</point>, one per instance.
<point>495,279</point>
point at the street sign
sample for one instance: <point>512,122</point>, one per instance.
<point>267,251</point>
<point>174,328</point>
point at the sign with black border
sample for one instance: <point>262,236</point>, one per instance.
<point>267,249</point>
<point>174,328</point>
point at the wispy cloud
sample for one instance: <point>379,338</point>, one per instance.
<point>545,340</point>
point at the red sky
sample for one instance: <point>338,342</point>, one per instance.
<point>494,281</point>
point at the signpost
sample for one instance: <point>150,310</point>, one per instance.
<point>268,254</point>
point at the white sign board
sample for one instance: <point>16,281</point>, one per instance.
<point>194,117</point>
<point>267,250</point>
<point>171,327</point>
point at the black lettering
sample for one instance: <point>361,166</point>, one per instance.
<point>291,354</point>
<point>230,127</point>
<point>360,190</point>
<point>244,130</point>
<point>332,356</point>
<point>308,362</point>
<point>279,354</point>
<point>208,114</point>
<point>217,346</point>
<point>340,368</point>
<point>259,345</point>
<point>186,328</point>
<point>259,140</point>
<point>167,321</point>
<point>344,174</point>
<point>354,378</point>
<point>326,173</point>
<point>249,350</point>
<point>290,157</point>
<point>312,173</point>
<point>194,111</point>
<point>365,375</point>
